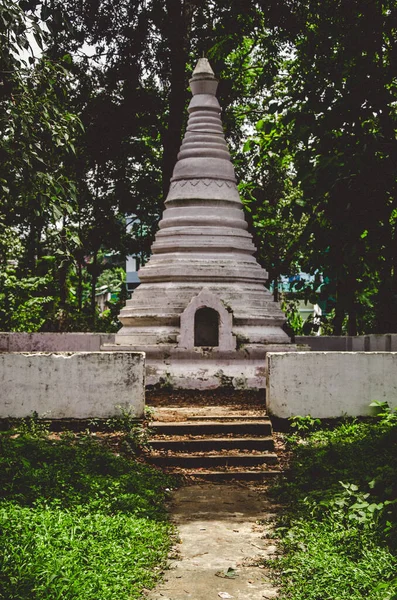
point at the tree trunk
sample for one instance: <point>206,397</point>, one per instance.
<point>93,287</point>
<point>179,13</point>
<point>339,311</point>
<point>276,294</point>
<point>352,321</point>
<point>32,248</point>
<point>351,304</point>
<point>63,272</point>
<point>386,300</point>
<point>393,307</point>
<point>386,305</point>
<point>79,286</point>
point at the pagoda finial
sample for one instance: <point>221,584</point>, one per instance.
<point>203,69</point>
<point>203,79</point>
<point>204,153</point>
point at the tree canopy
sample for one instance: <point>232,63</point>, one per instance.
<point>92,126</point>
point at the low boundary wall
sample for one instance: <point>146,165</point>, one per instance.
<point>53,342</point>
<point>384,342</point>
<point>72,385</point>
<point>92,342</point>
<point>329,384</point>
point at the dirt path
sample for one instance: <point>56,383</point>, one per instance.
<point>223,529</point>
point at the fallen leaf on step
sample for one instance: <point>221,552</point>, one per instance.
<point>230,572</point>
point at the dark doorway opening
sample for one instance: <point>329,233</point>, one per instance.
<point>206,327</point>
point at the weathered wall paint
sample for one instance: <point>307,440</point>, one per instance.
<point>72,385</point>
<point>53,342</point>
<point>384,342</point>
<point>329,384</point>
<point>92,342</point>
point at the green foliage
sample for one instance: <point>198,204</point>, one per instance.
<point>304,425</point>
<point>332,112</point>
<point>32,426</point>
<point>78,522</point>
<point>339,531</point>
<point>37,192</point>
<point>135,434</point>
<point>52,553</point>
<point>24,303</point>
<point>294,322</point>
<point>384,412</point>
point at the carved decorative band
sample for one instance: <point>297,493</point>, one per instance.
<point>202,182</point>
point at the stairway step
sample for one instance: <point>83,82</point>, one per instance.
<point>213,460</point>
<point>259,428</point>
<point>229,418</point>
<point>207,444</point>
<point>239,475</point>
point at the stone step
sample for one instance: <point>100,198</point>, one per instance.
<point>213,460</point>
<point>208,444</point>
<point>229,419</point>
<point>230,475</point>
<point>216,447</point>
<point>246,427</point>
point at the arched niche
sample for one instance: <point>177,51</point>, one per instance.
<point>216,314</point>
<point>206,327</point>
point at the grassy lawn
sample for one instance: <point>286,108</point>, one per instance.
<point>77,520</point>
<point>339,524</point>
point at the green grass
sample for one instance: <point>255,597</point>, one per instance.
<point>77,521</point>
<point>339,526</point>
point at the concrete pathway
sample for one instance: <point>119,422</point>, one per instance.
<point>225,534</point>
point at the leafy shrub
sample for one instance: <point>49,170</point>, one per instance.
<point>339,530</point>
<point>77,521</point>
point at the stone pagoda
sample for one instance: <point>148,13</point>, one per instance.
<point>202,314</point>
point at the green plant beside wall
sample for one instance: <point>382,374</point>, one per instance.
<point>78,520</point>
<point>338,532</point>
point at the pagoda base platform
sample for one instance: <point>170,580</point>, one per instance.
<point>171,367</point>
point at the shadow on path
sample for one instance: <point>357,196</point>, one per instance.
<point>223,529</point>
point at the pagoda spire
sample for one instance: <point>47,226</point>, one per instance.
<point>204,219</point>
<point>204,152</point>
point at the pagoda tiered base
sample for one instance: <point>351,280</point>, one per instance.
<point>170,367</point>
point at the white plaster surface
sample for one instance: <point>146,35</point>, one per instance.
<point>329,384</point>
<point>205,298</point>
<point>208,374</point>
<point>384,342</point>
<point>53,342</point>
<point>72,385</point>
<point>203,368</point>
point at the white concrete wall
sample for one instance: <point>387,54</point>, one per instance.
<point>72,385</point>
<point>329,384</point>
<point>384,342</point>
<point>53,342</point>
